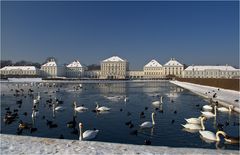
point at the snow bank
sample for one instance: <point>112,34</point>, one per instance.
<point>11,144</point>
<point>223,96</point>
<point>24,79</point>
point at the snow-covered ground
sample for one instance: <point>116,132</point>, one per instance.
<point>24,80</point>
<point>223,96</point>
<point>11,144</point>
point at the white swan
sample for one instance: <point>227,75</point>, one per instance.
<point>126,99</point>
<point>210,114</point>
<point>207,108</point>
<point>211,136</point>
<point>194,120</point>
<point>102,108</point>
<point>38,96</point>
<point>158,102</point>
<point>195,126</point>
<point>58,108</point>
<point>224,109</point>
<point>35,113</point>
<point>88,134</point>
<point>35,101</point>
<point>80,108</point>
<point>148,124</point>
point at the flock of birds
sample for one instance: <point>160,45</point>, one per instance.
<point>196,124</point>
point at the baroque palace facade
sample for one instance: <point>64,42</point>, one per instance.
<point>118,68</point>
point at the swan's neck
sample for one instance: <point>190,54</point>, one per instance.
<point>215,110</point>
<point>202,124</point>
<point>161,99</point>
<point>218,133</point>
<point>81,134</point>
<point>153,122</point>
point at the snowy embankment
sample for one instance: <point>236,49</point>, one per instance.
<point>24,80</point>
<point>11,144</point>
<point>224,97</point>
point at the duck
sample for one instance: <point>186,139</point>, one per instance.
<point>158,102</point>
<point>209,114</point>
<point>207,108</point>
<point>148,124</point>
<point>71,124</point>
<point>195,126</point>
<point>88,134</point>
<point>194,120</point>
<point>23,125</point>
<point>224,109</point>
<point>103,108</point>
<point>211,136</point>
<point>80,108</point>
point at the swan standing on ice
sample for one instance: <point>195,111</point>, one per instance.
<point>102,108</point>
<point>80,108</point>
<point>88,134</point>
<point>210,114</point>
<point>211,136</point>
<point>148,124</point>
<point>195,126</point>
<point>158,102</point>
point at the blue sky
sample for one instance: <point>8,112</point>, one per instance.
<point>192,32</point>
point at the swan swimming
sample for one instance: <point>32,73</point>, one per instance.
<point>195,126</point>
<point>194,120</point>
<point>224,109</point>
<point>102,108</point>
<point>88,134</point>
<point>158,102</point>
<point>211,136</point>
<point>80,108</point>
<point>207,108</point>
<point>148,124</point>
<point>58,108</point>
<point>210,114</point>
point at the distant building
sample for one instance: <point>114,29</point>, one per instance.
<point>75,70</point>
<point>52,70</point>
<point>114,68</point>
<point>20,70</point>
<point>173,68</point>
<point>135,75</point>
<point>211,72</point>
<point>153,70</point>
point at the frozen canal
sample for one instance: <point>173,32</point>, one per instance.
<point>177,104</point>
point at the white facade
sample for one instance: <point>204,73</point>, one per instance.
<point>135,74</point>
<point>153,70</point>
<point>173,68</point>
<point>211,72</point>
<point>75,70</point>
<point>52,70</point>
<point>114,68</point>
<point>93,74</point>
<point>19,70</point>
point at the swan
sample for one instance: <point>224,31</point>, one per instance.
<point>35,101</point>
<point>158,102</point>
<point>35,113</point>
<point>211,136</point>
<point>103,108</point>
<point>210,114</point>
<point>224,109</point>
<point>58,108</point>
<point>194,120</point>
<point>80,108</point>
<point>195,126</point>
<point>126,99</point>
<point>38,97</point>
<point>207,108</point>
<point>88,134</point>
<point>148,124</point>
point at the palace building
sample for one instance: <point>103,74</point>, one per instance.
<point>153,70</point>
<point>114,68</point>
<point>173,68</point>
<point>75,69</point>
